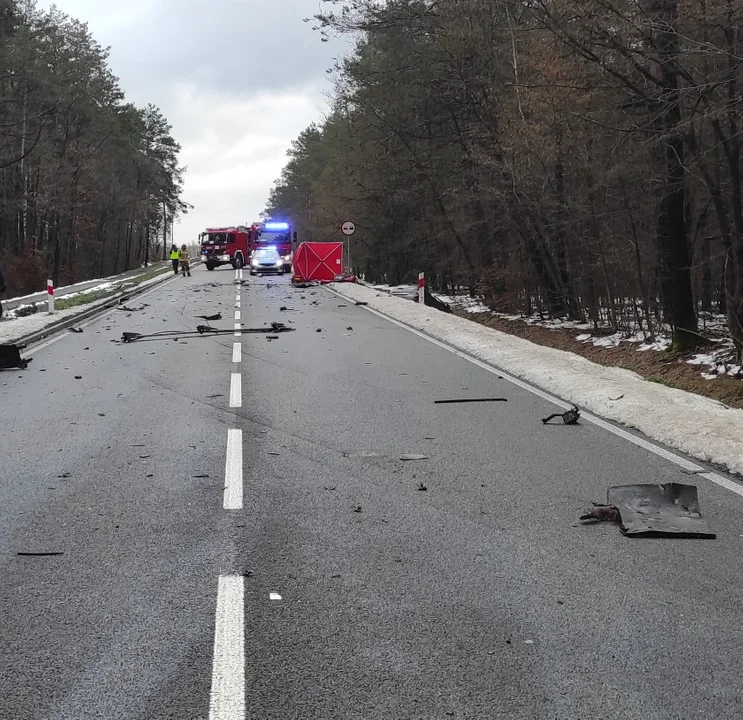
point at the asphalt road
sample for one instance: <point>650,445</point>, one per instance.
<point>185,508</point>
<point>12,303</point>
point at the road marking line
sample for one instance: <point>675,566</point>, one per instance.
<point>237,303</point>
<point>672,457</point>
<point>274,596</point>
<point>238,329</point>
<point>237,352</point>
<point>233,471</point>
<point>238,315</point>
<point>236,390</point>
<point>241,273</point>
<point>227,700</point>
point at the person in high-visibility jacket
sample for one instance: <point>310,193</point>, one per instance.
<point>185,261</point>
<point>174,258</point>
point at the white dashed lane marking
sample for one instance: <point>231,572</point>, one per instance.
<point>227,701</point>
<point>236,390</point>
<point>233,471</point>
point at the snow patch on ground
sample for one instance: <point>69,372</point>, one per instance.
<point>43,304</point>
<point>712,325</point>
<point>692,424</point>
<point>15,330</point>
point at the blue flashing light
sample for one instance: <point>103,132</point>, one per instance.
<point>276,226</point>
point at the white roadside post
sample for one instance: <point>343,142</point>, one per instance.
<point>422,288</point>
<point>50,295</point>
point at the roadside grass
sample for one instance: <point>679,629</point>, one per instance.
<point>65,303</point>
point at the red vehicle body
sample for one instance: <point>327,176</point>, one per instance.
<point>274,234</point>
<point>223,246</point>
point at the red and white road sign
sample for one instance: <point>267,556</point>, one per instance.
<point>348,228</point>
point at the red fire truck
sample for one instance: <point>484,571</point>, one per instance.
<point>223,246</point>
<point>275,234</point>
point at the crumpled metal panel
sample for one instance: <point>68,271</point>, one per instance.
<point>659,510</point>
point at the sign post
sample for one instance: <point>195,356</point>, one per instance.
<point>349,228</point>
<point>422,288</point>
<point>50,295</point>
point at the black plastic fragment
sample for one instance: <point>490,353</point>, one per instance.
<point>10,357</point>
<point>469,400</point>
<point>570,417</point>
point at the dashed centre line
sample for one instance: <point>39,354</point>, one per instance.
<point>237,352</point>
<point>227,700</point>
<point>236,390</point>
<point>238,315</point>
<point>233,471</point>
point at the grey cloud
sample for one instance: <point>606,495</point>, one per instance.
<point>232,46</point>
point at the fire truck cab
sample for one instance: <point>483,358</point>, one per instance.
<point>223,246</point>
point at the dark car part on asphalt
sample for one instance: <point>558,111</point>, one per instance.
<point>360,302</point>
<point>41,554</point>
<point>413,456</point>
<point>469,400</point>
<point>201,330</point>
<point>10,357</point>
<point>216,316</point>
<point>570,417</point>
<point>602,513</point>
<point>659,510</point>
<point>74,329</point>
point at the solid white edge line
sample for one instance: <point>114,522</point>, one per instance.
<point>236,390</point>
<point>672,457</point>
<point>238,315</point>
<point>227,698</point>
<point>233,471</point>
<point>237,352</point>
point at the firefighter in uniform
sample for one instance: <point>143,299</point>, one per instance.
<point>185,261</point>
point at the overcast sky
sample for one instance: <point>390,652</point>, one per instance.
<point>237,79</point>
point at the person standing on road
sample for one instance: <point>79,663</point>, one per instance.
<point>174,258</point>
<point>185,261</point>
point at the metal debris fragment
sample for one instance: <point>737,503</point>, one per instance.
<point>570,417</point>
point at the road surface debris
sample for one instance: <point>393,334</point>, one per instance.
<point>10,357</point>
<point>570,417</point>
<point>653,510</point>
<point>470,400</point>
